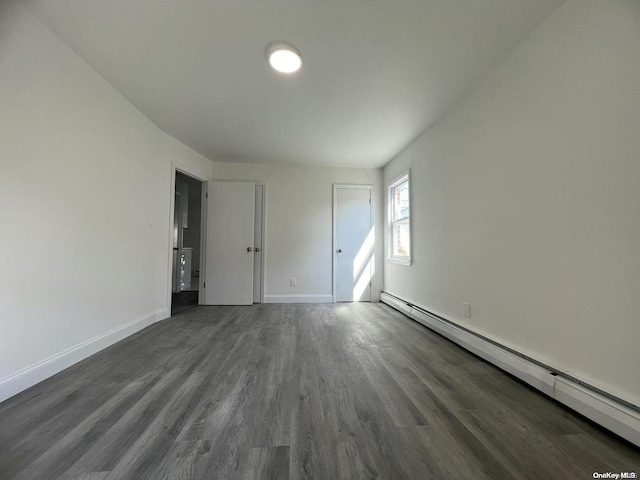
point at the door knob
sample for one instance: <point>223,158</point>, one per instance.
<point>257,249</point>
<point>249,249</point>
<point>339,250</point>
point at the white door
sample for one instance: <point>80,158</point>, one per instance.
<point>354,242</point>
<point>257,245</point>
<point>229,255</point>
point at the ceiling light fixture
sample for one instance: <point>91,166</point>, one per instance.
<point>284,57</point>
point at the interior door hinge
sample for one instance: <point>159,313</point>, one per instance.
<point>204,285</point>
<point>206,195</point>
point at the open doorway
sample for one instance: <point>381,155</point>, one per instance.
<point>187,248</point>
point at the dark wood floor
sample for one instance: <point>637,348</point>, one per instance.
<point>295,391</point>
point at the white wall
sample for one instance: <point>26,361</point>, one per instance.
<point>84,206</point>
<point>299,225</point>
<point>525,200</point>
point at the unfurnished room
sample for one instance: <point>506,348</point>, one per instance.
<point>319,240</point>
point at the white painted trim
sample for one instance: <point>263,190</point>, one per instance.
<point>204,204</point>
<point>178,167</point>
<point>407,261</point>
<point>395,303</point>
<point>162,315</point>
<point>603,410</point>
<point>400,261</point>
<point>301,298</point>
<point>334,244</point>
<point>526,371</point>
<point>39,371</point>
<point>264,240</point>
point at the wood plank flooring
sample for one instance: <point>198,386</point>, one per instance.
<point>343,391</point>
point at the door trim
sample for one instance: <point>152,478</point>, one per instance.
<point>202,177</point>
<point>334,243</point>
<point>264,239</point>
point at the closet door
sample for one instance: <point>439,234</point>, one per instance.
<point>230,248</point>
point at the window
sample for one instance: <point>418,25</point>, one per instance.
<point>399,221</point>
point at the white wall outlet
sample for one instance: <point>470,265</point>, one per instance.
<point>467,310</point>
<point>293,281</point>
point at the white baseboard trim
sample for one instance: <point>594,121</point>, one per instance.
<point>531,373</point>
<point>395,303</point>
<point>603,410</point>
<point>27,377</point>
<point>162,314</point>
<point>298,298</point>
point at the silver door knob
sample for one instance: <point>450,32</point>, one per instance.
<point>257,249</point>
<point>249,249</point>
<point>339,250</point>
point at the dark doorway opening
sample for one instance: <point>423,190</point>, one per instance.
<point>187,233</point>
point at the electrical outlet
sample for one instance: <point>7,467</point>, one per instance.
<point>293,281</point>
<point>467,310</point>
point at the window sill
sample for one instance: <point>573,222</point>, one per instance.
<point>400,261</point>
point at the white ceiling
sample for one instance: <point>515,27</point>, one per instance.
<point>376,73</point>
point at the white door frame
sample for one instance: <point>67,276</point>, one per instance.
<point>264,238</point>
<point>201,176</point>
<point>334,255</point>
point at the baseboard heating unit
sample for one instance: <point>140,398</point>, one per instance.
<point>613,414</point>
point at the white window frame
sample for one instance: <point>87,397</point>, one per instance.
<point>402,260</point>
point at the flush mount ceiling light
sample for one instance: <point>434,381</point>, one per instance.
<point>284,57</point>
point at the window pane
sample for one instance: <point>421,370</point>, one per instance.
<point>401,240</point>
<point>401,201</point>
